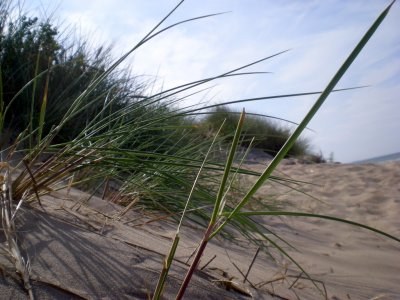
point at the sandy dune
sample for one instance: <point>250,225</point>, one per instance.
<point>353,263</point>
<point>83,253</point>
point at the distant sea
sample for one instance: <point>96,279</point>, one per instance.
<point>380,159</point>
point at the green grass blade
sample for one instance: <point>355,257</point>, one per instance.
<point>292,139</point>
<point>308,215</point>
<point>43,106</point>
<point>167,265</point>
<point>176,24</point>
<point>190,85</point>
<point>9,105</point>
<point>236,172</point>
<point>248,114</point>
<point>33,100</point>
<point>162,21</point>
<point>270,97</point>
<point>228,167</point>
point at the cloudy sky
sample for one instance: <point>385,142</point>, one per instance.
<point>352,125</point>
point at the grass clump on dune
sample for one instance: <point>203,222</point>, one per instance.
<point>62,100</point>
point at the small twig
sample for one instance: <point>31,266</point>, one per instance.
<point>297,277</point>
<point>203,267</point>
<point>105,190</point>
<point>127,208</point>
<point>251,265</point>
<point>80,218</point>
<point>312,279</point>
<point>34,183</point>
<point>84,201</point>
<point>238,269</point>
<point>294,282</point>
<point>261,284</point>
<point>229,284</point>
<point>97,212</point>
<point>70,181</point>
<point>104,225</point>
<point>191,255</point>
<point>294,292</point>
<point>153,220</point>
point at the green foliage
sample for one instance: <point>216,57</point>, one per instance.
<point>269,135</point>
<point>31,48</point>
<point>20,43</point>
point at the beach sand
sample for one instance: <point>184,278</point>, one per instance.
<point>80,252</point>
<point>352,262</point>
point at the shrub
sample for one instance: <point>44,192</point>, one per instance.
<point>269,135</point>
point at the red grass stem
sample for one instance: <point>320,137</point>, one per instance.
<point>195,262</point>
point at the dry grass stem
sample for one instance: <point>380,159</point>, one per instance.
<point>22,265</point>
<point>206,264</point>
<point>251,264</point>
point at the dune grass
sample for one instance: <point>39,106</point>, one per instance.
<point>101,124</point>
<point>142,141</point>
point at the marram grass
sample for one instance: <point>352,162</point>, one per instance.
<point>148,147</point>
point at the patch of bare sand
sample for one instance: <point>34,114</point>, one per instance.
<point>352,262</point>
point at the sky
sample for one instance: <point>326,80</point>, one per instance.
<point>352,125</point>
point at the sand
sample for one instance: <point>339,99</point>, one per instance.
<point>82,253</point>
<point>352,262</point>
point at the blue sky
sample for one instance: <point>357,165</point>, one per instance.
<point>353,125</point>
